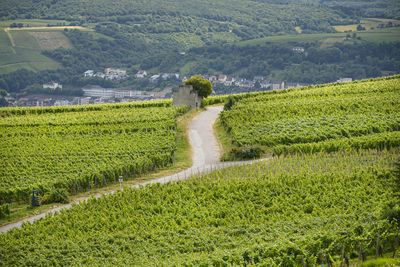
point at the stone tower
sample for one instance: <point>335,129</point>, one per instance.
<point>186,96</point>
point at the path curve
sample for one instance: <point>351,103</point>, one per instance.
<point>206,154</point>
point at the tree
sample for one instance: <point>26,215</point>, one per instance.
<point>3,101</point>
<point>360,28</point>
<point>202,86</point>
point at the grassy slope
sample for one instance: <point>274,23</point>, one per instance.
<point>27,53</point>
<point>377,35</point>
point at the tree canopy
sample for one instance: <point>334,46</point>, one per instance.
<point>202,86</point>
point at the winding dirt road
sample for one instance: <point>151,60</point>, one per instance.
<point>206,154</point>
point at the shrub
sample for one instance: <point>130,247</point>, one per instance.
<point>56,195</point>
<point>246,152</point>
<point>4,210</point>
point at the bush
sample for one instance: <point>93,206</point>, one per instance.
<point>246,152</point>
<point>4,210</point>
<point>56,195</point>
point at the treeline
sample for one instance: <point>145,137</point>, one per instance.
<point>245,19</point>
<point>317,65</point>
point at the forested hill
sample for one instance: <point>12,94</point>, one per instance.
<point>177,36</point>
<point>245,19</point>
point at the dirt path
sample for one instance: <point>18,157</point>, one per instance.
<point>11,41</point>
<point>206,155</point>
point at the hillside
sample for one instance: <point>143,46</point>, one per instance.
<point>329,195</point>
<point>152,35</point>
<point>363,114</point>
<point>78,148</point>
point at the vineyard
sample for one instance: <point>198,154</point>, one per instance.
<point>78,148</point>
<point>364,114</point>
<point>283,212</point>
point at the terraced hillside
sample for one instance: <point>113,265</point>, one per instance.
<point>362,114</point>
<point>80,148</point>
<point>301,209</point>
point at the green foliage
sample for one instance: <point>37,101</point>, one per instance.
<point>202,86</point>
<point>55,195</point>
<point>327,118</point>
<point>4,210</point>
<point>245,152</point>
<point>3,92</point>
<point>271,213</point>
<point>78,148</point>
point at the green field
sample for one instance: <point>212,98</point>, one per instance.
<point>22,47</point>
<point>376,36</point>
<point>367,23</point>
<point>76,150</point>
<point>363,114</point>
<point>295,209</point>
<point>275,213</point>
<point>25,53</point>
<point>33,22</point>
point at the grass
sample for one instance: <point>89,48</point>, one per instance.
<point>5,44</point>
<point>368,24</point>
<point>27,50</point>
<point>376,36</point>
<point>224,139</point>
<point>32,22</point>
<point>183,160</point>
<point>387,260</point>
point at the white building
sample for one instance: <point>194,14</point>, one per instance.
<point>62,102</point>
<point>88,73</point>
<point>52,85</point>
<point>154,78</point>
<point>276,85</point>
<point>115,71</point>
<point>298,49</point>
<point>344,80</point>
<point>141,74</point>
<point>126,92</point>
<point>98,91</point>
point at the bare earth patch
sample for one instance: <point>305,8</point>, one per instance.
<point>52,40</point>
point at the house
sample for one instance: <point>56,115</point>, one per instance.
<point>246,84</point>
<point>212,78</point>
<point>344,80</point>
<point>115,71</point>
<point>99,75</point>
<point>154,78</point>
<point>291,85</point>
<point>98,91</point>
<point>124,92</point>
<point>222,78</point>
<point>141,74</point>
<point>229,81</point>
<point>88,73</point>
<point>298,49</point>
<point>276,85</point>
<point>52,85</point>
<point>115,74</point>
<point>62,102</point>
<point>265,84</point>
<point>186,96</point>
<point>258,78</point>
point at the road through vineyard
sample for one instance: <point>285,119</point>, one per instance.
<point>205,151</point>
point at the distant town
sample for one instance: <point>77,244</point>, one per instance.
<point>95,94</point>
